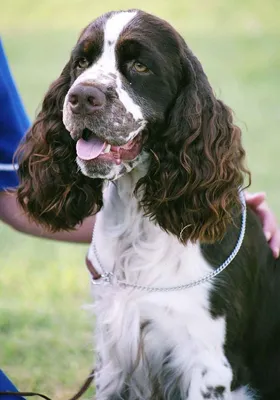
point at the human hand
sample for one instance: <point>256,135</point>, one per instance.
<point>258,203</point>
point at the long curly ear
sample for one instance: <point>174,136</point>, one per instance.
<point>197,167</point>
<point>52,190</point>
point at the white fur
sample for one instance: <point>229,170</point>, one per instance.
<point>114,173</point>
<point>181,325</point>
<point>115,25</point>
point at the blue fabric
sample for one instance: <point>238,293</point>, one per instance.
<point>7,385</point>
<point>13,123</point>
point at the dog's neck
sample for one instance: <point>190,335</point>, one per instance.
<point>125,185</point>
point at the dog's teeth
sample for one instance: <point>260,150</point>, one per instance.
<point>107,149</point>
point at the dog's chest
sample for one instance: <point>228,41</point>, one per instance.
<point>137,251</point>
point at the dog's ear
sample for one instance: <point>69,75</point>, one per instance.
<point>52,190</point>
<point>197,166</point>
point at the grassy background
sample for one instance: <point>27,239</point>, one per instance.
<point>45,334</point>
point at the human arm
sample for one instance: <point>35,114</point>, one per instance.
<point>12,214</point>
<point>258,203</point>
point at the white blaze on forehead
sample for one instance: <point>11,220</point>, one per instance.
<point>115,25</point>
<point>105,69</point>
<point>113,28</point>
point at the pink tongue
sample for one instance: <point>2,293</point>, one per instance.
<point>89,149</point>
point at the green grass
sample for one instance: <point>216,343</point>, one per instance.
<point>45,334</point>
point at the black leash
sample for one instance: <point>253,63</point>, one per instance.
<point>76,396</point>
<point>25,394</point>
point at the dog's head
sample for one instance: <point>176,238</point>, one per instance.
<point>125,73</point>
<point>131,91</point>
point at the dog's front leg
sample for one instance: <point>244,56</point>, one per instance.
<point>108,381</point>
<point>211,377</point>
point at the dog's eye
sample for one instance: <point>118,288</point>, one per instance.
<point>141,68</point>
<point>82,63</point>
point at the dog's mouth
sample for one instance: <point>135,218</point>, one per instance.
<point>91,147</point>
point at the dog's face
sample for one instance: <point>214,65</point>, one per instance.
<point>122,84</point>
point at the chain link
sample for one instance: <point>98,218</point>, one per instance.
<point>107,277</point>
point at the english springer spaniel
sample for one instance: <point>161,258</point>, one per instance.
<point>133,113</point>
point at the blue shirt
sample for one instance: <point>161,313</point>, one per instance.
<point>13,123</point>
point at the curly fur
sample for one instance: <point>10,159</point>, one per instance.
<point>197,166</point>
<point>52,190</point>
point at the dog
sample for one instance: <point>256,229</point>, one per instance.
<point>132,130</point>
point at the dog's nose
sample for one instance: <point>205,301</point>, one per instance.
<point>86,99</point>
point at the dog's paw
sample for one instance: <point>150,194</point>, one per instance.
<point>211,384</point>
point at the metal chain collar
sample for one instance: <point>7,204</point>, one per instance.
<point>107,277</point>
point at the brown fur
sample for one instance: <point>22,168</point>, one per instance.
<point>52,191</point>
<point>197,165</point>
